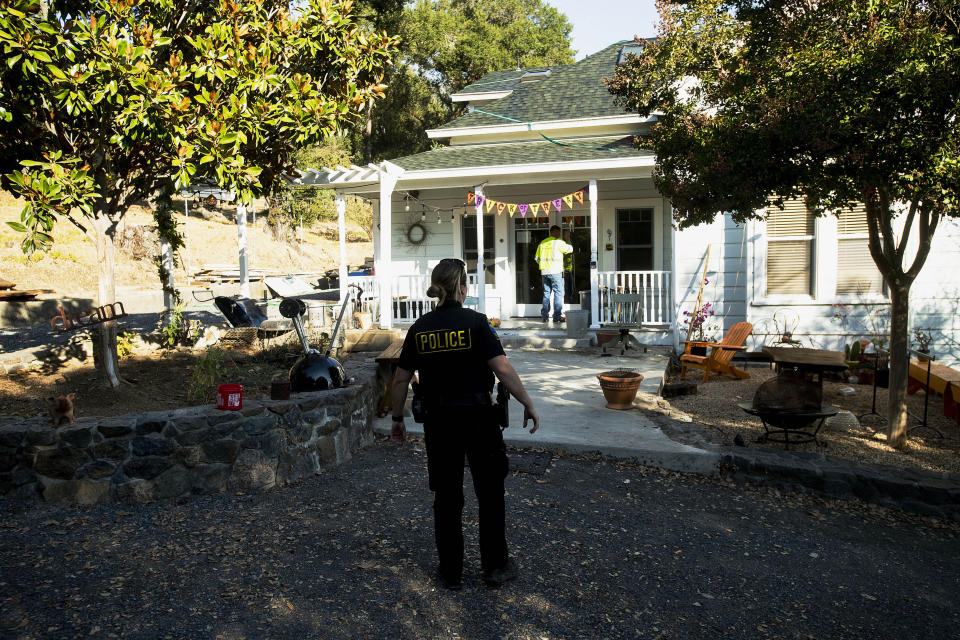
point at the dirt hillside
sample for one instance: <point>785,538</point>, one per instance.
<point>70,267</point>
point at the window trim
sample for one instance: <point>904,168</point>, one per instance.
<point>824,269</point>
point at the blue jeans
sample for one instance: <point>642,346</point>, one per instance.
<point>552,283</point>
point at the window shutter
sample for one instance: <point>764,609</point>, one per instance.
<point>790,249</point>
<point>793,220</point>
<point>857,273</point>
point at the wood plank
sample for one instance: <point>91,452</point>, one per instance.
<point>21,295</point>
<point>6,284</point>
<point>807,357</point>
<point>391,354</point>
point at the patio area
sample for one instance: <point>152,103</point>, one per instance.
<point>682,433</point>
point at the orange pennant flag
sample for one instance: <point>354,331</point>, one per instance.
<point>470,196</point>
<point>578,194</point>
<point>511,209</point>
<point>500,207</point>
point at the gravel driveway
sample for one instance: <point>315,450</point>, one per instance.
<point>606,550</point>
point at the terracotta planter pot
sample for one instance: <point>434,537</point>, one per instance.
<point>619,388</point>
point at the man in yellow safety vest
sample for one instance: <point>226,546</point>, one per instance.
<point>549,256</point>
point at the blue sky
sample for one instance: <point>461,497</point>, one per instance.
<point>598,23</point>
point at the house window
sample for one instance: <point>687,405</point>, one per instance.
<point>857,273</point>
<point>790,237</point>
<point>634,239</point>
<point>469,236</point>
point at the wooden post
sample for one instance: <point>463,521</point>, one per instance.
<point>703,281</point>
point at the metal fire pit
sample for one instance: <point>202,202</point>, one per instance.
<point>787,405</point>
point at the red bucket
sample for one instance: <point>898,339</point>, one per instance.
<point>230,397</point>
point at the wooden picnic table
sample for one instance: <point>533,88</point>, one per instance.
<point>943,380</point>
<point>807,360</point>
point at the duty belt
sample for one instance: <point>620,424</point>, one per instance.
<point>462,399</point>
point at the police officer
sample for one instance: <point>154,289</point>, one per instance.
<point>457,353</point>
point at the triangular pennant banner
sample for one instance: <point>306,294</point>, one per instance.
<point>578,195</point>
<point>535,207</point>
<point>511,209</point>
<point>490,204</point>
<point>470,196</point>
<point>569,200</point>
<point>480,200</point>
<point>500,207</point>
<point>556,203</point>
<point>523,209</point>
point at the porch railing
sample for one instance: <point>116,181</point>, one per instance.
<point>409,293</point>
<point>654,286</point>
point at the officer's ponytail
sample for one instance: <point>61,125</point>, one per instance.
<point>446,278</point>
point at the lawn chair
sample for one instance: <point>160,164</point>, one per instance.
<point>720,353</point>
<point>626,309</point>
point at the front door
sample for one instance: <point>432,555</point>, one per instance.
<point>528,233</point>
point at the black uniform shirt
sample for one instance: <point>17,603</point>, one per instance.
<point>450,347</point>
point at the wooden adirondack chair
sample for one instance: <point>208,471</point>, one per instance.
<point>720,353</point>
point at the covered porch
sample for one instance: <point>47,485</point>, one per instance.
<point>449,202</point>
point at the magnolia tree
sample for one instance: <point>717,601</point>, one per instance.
<point>105,103</point>
<point>837,102</point>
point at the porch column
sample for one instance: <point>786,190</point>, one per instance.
<point>594,268</point>
<point>384,262</point>
<point>242,250</point>
<point>481,265</point>
<point>342,232</point>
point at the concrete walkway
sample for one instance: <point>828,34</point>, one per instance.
<point>573,415</point>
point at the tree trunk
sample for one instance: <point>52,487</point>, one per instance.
<point>899,366</point>
<point>106,294</point>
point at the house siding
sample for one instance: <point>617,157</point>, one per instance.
<point>726,289</point>
<point>934,301</point>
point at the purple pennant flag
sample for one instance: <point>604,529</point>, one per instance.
<point>523,210</point>
<point>480,201</point>
<point>557,203</point>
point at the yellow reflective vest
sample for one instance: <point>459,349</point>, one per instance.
<point>550,254</point>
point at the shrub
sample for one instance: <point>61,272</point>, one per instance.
<point>209,369</point>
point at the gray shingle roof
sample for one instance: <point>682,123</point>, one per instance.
<point>511,153</point>
<point>503,80</point>
<point>570,91</point>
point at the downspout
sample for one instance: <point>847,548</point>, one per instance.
<point>342,232</point>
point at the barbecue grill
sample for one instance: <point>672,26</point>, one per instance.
<point>787,405</point>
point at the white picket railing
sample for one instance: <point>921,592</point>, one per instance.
<point>654,286</point>
<point>409,293</point>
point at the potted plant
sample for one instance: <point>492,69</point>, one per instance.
<point>696,326</point>
<point>853,356</point>
<point>620,387</point>
<point>922,341</point>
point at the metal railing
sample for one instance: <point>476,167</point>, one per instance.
<point>654,286</point>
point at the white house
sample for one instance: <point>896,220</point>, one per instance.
<point>548,146</point>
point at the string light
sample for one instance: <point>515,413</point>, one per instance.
<point>423,212</point>
<point>438,216</point>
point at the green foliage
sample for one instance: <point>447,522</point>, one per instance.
<point>115,101</point>
<point>208,370</point>
<point>445,45</point>
<point>291,206</point>
<point>457,42</point>
<point>837,103</point>
<point>126,341</point>
<point>176,330</point>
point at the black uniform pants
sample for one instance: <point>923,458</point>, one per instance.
<point>450,436</point>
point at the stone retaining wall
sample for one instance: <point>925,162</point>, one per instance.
<point>137,458</point>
